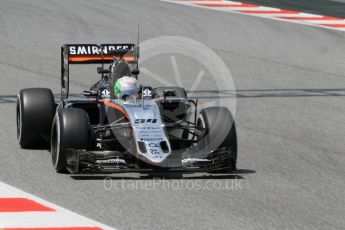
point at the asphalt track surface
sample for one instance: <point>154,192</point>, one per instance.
<point>290,116</point>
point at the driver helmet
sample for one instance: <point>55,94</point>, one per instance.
<point>126,86</point>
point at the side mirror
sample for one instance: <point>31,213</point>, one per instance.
<point>146,92</point>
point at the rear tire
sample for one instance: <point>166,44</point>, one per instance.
<point>35,113</point>
<point>70,131</point>
<point>218,134</point>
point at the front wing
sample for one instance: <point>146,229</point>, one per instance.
<point>79,161</point>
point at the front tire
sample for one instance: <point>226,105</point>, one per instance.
<point>70,131</point>
<point>218,136</point>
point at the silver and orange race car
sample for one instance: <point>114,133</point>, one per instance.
<point>159,129</point>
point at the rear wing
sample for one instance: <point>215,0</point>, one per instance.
<point>93,54</point>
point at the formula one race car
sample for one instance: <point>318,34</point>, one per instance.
<point>106,130</point>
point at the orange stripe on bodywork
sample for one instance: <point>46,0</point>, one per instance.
<point>115,106</point>
<point>86,58</point>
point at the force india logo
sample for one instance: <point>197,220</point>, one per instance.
<point>96,50</point>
